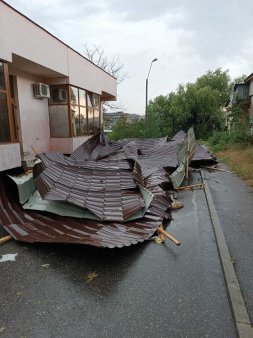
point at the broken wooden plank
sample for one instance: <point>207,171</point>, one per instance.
<point>5,239</point>
<point>190,187</point>
<point>218,169</point>
<point>168,235</point>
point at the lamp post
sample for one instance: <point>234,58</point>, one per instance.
<point>146,105</point>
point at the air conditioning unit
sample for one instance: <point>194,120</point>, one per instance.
<point>59,95</point>
<point>41,90</point>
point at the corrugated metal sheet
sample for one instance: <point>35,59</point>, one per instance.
<point>32,227</point>
<point>106,193</point>
<point>201,154</point>
<point>105,179</point>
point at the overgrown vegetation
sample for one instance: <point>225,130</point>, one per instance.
<point>239,158</point>
<point>195,104</point>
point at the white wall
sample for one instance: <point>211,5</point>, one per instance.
<point>34,118</point>
<point>10,156</point>
<point>22,37</point>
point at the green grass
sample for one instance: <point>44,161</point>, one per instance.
<point>239,157</point>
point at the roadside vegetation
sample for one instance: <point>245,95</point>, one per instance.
<point>200,104</point>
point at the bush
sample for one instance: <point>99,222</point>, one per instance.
<point>239,134</point>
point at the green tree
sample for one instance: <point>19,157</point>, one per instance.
<point>124,129</point>
<point>193,104</point>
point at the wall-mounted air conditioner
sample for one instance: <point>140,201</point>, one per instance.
<point>41,90</point>
<point>59,95</point>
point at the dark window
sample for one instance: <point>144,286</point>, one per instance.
<point>4,120</point>
<point>6,129</point>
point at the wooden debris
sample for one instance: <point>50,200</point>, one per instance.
<point>168,235</point>
<point>218,169</point>
<point>190,187</point>
<point>5,239</point>
<point>34,149</point>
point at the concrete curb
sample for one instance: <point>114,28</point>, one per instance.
<point>239,311</point>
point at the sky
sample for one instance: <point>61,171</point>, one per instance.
<point>188,37</point>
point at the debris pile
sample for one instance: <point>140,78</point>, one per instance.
<point>106,194</point>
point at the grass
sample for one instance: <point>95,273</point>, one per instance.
<point>239,158</point>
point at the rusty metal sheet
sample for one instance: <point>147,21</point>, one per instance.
<point>52,157</point>
<point>201,154</point>
<point>92,149</point>
<point>32,227</point>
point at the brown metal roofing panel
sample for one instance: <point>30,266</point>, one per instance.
<point>144,145</point>
<point>91,189</point>
<point>38,227</point>
<point>164,156</point>
<point>179,137</point>
<point>202,154</point>
<point>93,149</point>
<point>52,157</point>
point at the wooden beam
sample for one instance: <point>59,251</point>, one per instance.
<point>190,187</point>
<point>168,235</point>
<point>218,169</point>
<point>5,239</point>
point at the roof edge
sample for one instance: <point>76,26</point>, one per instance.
<point>55,37</point>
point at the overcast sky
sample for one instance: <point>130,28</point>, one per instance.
<point>188,37</point>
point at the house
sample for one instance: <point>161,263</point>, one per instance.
<point>240,94</point>
<point>50,95</point>
<point>249,81</point>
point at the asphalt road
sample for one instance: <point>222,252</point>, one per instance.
<point>147,290</point>
<point>233,201</point>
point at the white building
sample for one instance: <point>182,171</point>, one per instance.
<point>50,95</point>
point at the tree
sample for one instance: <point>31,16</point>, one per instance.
<point>112,65</point>
<point>195,104</point>
<point>124,129</point>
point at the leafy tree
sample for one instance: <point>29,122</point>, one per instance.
<point>217,80</point>
<point>124,129</point>
<point>193,104</point>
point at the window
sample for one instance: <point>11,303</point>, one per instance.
<point>73,111</point>
<point>96,105</point>
<point>59,111</point>
<point>6,119</point>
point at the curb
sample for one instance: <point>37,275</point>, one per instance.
<point>238,308</point>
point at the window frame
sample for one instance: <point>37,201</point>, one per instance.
<point>7,92</point>
<point>87,92</point>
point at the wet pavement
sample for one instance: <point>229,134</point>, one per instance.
<point>233,201</point>
<point>146,290</point>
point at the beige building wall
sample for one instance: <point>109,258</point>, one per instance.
<point>34,119</point>
<point>22,37</point>
<point>34,55</point>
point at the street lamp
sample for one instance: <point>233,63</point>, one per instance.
<point>146,106</point>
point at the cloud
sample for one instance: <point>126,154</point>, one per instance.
<point>188,37</point>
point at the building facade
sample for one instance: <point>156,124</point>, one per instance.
<point>50,95</point>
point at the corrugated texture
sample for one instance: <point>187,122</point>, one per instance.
<point>36,227</point>
<point>106,193</point>
<point>94,150</point>
<point>52,157</point>
<point>201,154</point>
<point>163,156</point>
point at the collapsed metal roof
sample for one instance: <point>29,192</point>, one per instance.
<point>116,190</point>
